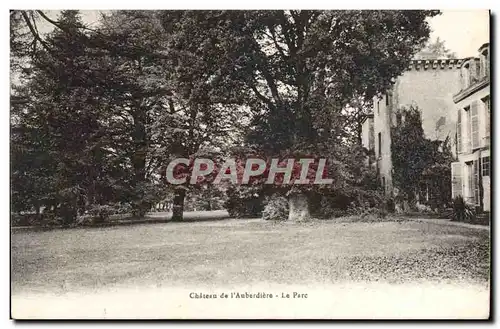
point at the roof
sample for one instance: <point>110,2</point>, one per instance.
<point>484,45</point>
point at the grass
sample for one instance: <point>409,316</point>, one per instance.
<point>244,252</point>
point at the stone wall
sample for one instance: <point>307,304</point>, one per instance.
<point>432,90</point>
<point>430,85</point>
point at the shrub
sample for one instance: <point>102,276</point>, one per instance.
<point>276,208</point>
<point>355,201</point>
<point>462,212</point>
<point>101,212</point>
<point>25,219</point>
<point>122,208</point>
<point>206,198</point>
<point>389,204</point>
<point>243,202</point>
<point>67,213</point>
<point>50,218</point>
<point>371,199</point>
<point>369,213</point>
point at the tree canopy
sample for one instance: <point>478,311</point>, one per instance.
<point>97,113</point>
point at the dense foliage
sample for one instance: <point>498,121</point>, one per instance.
<point>418,161</point>
<point>97,113</point>
<point>462,211</point>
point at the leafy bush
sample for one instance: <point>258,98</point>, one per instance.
<point>244,202</point>
<point>375,207</point>
<point>356,200</point>
<point>389,204</point>
<point>50,218</point>
<point>122,208</point>
<point>101,212</point>
<point>276,208</point>
<point>46,218</point>
<point>373,213</point>
<point>206,198</point>
<point>330,206</point>
<point>462,212</point>
<point>25,219</point>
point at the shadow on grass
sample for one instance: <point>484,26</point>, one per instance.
<point>479,219</point>
<point>150,218</point>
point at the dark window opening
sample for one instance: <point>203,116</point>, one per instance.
<point>468,130</point>
<point>486,104</point>
<point>379,144</point>
<point>485,166</point>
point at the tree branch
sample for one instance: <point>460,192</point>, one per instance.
<point>260,96</point>
<point>33,30</point>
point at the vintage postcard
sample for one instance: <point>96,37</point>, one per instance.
<point>250,164</point>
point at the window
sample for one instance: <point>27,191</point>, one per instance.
<point>465,76</point>
<point>459,132</point>
<point>456,179</point>
<point>379,144</point>
<point>486,106</point>
<point>475,183</point>
<point>485,65</point>
<point>474,122</point>
<point>487,68</point>
<point>476,76</point>
<point>468,131</point>
<point>383,183</point>
<point>371,136</point>
<point>378,106</point>
<point>485,164</point>
<point>387,99</point>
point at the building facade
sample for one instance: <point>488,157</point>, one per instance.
<point>427,84</point>
<point>471,173</point>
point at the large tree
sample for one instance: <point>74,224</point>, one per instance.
<point>150,102</point>
<point>418,160</point>
<point>174,103</point>
<point>435,49</point>
<point>59,155</point>
<point>299,68</point>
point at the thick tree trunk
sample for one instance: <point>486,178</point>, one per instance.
<point>178,207</point>
<point>140,139</point>
<point>299,208</point>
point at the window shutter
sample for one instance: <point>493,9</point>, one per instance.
<point>476,181</point>
<point>459,132</point>
<point>474,125</point>
<point>488,119</point>
<point>488,63</point>
<point>456,179</point>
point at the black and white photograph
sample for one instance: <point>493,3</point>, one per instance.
<point>250,164</point>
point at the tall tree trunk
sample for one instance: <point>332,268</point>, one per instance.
<point>178,207</point>
<point>298,208</point>
<point>139,137</point>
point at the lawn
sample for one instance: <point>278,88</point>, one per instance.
<point>236,252</point>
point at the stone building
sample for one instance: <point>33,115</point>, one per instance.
<point>427,84</point>
<point>471,173</point>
